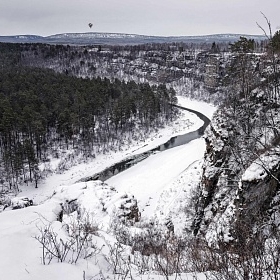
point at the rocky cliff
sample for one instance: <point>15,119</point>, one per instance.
<point>241,176</point>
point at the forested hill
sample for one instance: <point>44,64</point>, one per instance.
<point>43,112</point>
<point>90,38</point>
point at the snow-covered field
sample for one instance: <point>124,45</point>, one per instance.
<point>160,184</point>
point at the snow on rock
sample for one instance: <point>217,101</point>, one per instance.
<point>21,202</point>
<point>261,167</point>
<point>99,200</point>
<point>218,229</point>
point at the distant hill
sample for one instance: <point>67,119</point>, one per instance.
<point>122,39</point>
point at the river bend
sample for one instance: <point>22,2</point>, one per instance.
<point>171,143</point>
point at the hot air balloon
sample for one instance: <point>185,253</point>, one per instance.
<point>90,25</point>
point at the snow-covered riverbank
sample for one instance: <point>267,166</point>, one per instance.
<point>186,123</point>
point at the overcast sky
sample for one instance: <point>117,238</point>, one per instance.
<point>147,17</point>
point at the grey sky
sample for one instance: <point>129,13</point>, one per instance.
<point>148,17</point>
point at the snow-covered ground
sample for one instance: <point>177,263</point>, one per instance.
<point>160,184</point>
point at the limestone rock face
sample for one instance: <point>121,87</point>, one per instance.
<point>235,187</point>
<point>260,189</point>
<point>128,210</point>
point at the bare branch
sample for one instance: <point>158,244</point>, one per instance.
<point>269,37</point>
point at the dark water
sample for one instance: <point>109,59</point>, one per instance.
<point>171,143</point>
<point>185,138</point>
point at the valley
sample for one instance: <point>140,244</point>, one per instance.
<point>200,199</point>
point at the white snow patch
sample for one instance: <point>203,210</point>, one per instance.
<point>259,169</point>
